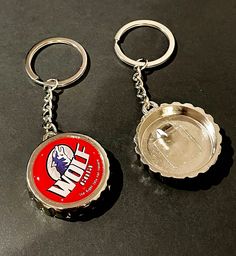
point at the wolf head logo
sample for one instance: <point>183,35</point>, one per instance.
<point>60,159</point>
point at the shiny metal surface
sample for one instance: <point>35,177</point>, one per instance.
<point>144,23</point>
<point>50,41</point>
<point>178,140</point>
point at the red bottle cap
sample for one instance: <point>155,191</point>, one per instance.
<point>66,173</point>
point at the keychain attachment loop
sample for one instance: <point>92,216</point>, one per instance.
<point>139,85</point>
<point>144,23</point>
<point>48,125</point>
<point>50,41</point>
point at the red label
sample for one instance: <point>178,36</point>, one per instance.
<point>67,169</point>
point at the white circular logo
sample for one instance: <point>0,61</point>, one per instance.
<point>59,160</point>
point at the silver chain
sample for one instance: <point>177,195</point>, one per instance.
<point>141,91</point>
<point>48,125</point>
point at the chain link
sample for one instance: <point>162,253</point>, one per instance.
<point>48,125</point>
<point>139,85</point>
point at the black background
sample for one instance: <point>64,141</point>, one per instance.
<point>143,216</point>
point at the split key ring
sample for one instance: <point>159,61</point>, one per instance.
<point>50,41</point>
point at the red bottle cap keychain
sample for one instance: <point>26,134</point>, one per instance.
<point>67,171</point>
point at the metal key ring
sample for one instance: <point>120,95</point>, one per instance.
<point>50,41</point>
<point>144,23</point>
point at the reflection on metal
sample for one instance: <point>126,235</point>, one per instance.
<point>178,140</point>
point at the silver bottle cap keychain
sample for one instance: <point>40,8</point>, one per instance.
<point>176,140</point>
<point>67,171</point>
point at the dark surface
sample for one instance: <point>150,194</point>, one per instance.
<point>146,216</point>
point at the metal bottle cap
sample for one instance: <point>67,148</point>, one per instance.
<point>66,173</point>
<point>178,140</point>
